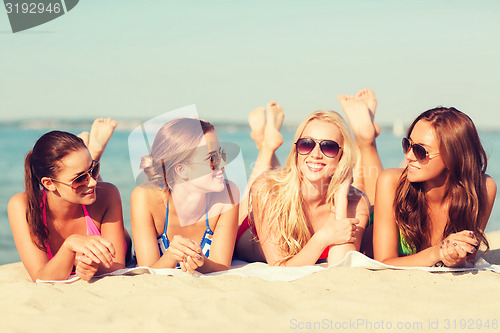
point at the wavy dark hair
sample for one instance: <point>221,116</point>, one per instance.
<point>44,161</point>
<point>466,161</point>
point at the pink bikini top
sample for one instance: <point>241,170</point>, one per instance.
<point>91,227</point>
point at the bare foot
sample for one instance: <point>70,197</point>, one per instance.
<point>85,137</point>
<point>368,96</point>
<point>360,119</point>
<point>257,122</point>
<point>100,133</point>
<point>272,136</point>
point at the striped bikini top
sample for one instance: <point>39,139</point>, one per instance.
<point>206,240</point>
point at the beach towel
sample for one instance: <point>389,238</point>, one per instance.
<point>271,273</point>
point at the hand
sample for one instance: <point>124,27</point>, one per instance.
<point>85,268</point>
<point>97,248</point>
<point>456,247</point>
<point>186,252</point>
<point>340,231</point>
<point>190,264</point>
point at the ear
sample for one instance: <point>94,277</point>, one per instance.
<point>181,171</point>
<point>48,184</point>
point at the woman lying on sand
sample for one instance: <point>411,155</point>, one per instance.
<point>187,215</point>
<point>435,210</point>
<point>308,210</point>
<point>66,220</point>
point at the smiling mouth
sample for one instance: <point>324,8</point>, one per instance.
<point>315,167</point>
<point>90,192</point>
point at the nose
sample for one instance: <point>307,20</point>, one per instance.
<point>92,182</point>
<point>409,156</point>
<point>316,152</point>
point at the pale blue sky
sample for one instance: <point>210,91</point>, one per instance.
<point>138,59</point>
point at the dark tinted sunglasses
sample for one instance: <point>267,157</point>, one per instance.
<point>420,153</point>
<point>329,148</point>
<point>84,178</point>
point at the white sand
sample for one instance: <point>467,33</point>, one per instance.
<point>328,299</point>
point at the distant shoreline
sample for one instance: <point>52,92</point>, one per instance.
<point>128,124</point>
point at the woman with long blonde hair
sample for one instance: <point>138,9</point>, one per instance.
<point>307,210</point>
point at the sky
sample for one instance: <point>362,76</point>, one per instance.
<point>139,59</point>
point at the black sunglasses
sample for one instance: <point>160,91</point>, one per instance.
<point>420,153</point>
<point>329,148</point>
<point>84,178</point>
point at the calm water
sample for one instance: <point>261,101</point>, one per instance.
<point>115,166</point>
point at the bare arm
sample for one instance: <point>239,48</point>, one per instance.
<point>36,261</point>
<point>112,225</point>
<point>221,251</point>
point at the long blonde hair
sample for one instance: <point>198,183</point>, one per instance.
<point>279,191</point>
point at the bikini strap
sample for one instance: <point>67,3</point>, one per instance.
<point>166,221</point>
<point>206,214</point>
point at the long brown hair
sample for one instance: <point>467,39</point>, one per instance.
<point>44,161</point>
<point>466,161</point>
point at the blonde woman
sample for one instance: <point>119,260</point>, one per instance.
<point>307,210</point>
<point>186,215</point>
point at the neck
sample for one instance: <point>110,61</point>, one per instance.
<point>190,204</point>
<point>314,193</point>
<point>61,209</point>
<point>435,190</point>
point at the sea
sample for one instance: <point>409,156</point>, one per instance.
<point>18,137</point>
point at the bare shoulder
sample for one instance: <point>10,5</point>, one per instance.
<point>491,187</point>
<point>18,202</point>
<point>143,194</point>
<point>107,194</point>
<point>18,199</point>
<point>490,183</point>
<point>389,178</point>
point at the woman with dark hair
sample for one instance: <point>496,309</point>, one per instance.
<point>435,210</point>
<point>186,214</point>
<point>65,219</point>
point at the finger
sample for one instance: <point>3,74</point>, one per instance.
<point>187,247</point>
<point>183,266</point>
<point>108,245</point>
<point>83,274</point>
<point>84,259</point>
<point>460,250</point>
<point>467,247</point>
<point>452,252</point>
<point>199,260</point>
<point>175,253</point>
<point>100,251</point>
<point>190,265</point>
<point>463,238</point>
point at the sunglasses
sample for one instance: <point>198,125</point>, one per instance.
<point>329,148</point>
<point>420,153</point>
<point>84,178</point>
<point>216,159</point>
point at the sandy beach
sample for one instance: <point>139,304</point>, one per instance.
<point>342,299</point>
